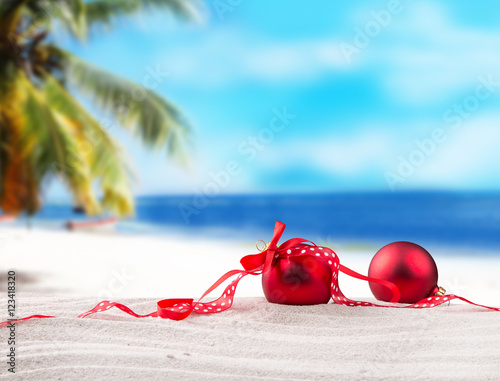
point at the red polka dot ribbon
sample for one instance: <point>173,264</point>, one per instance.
<point>256,264</point>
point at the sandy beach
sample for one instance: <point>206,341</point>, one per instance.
<point>258,340</point>
<point>65,274</point>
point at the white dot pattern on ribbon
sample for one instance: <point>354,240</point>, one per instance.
<point>222,303</point>
<point>327,256</point>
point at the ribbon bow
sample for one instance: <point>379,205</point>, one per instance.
<point>266,257</point>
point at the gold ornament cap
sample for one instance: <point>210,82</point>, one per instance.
<point>440,292</point>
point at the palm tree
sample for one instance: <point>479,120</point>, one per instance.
<point>45,131</point>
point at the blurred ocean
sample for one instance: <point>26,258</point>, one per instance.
<point>462,220</point>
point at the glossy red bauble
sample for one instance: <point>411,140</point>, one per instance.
<point>298,280</point>
<point>409,266</point>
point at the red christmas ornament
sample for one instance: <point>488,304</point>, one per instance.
<point>409,266</point>
<point>298,280</point>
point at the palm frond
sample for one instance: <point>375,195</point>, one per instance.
<point>155,120</point>
<point>107,163</point>
<point>105,11</point>
<point>72,14</point>
<point>49,140</point>
<point>10,13</point>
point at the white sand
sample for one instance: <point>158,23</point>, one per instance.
<point>259,340</point>
<point>252,340</point>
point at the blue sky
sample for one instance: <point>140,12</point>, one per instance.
<point>403,112</point>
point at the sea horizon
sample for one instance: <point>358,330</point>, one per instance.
<point>437,218</point>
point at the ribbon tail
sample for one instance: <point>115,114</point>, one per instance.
<point>475,304</point>
<point>5,323</point>
<point>279,227</point>
<point>391,286</point>
<point>221,280</point>
<point>106,305</point>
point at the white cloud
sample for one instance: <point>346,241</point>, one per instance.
<point>344,156</point>
<point>467,159</point>
<point>420,57</point>
<point>228,57</point>
<point>425,56</point>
